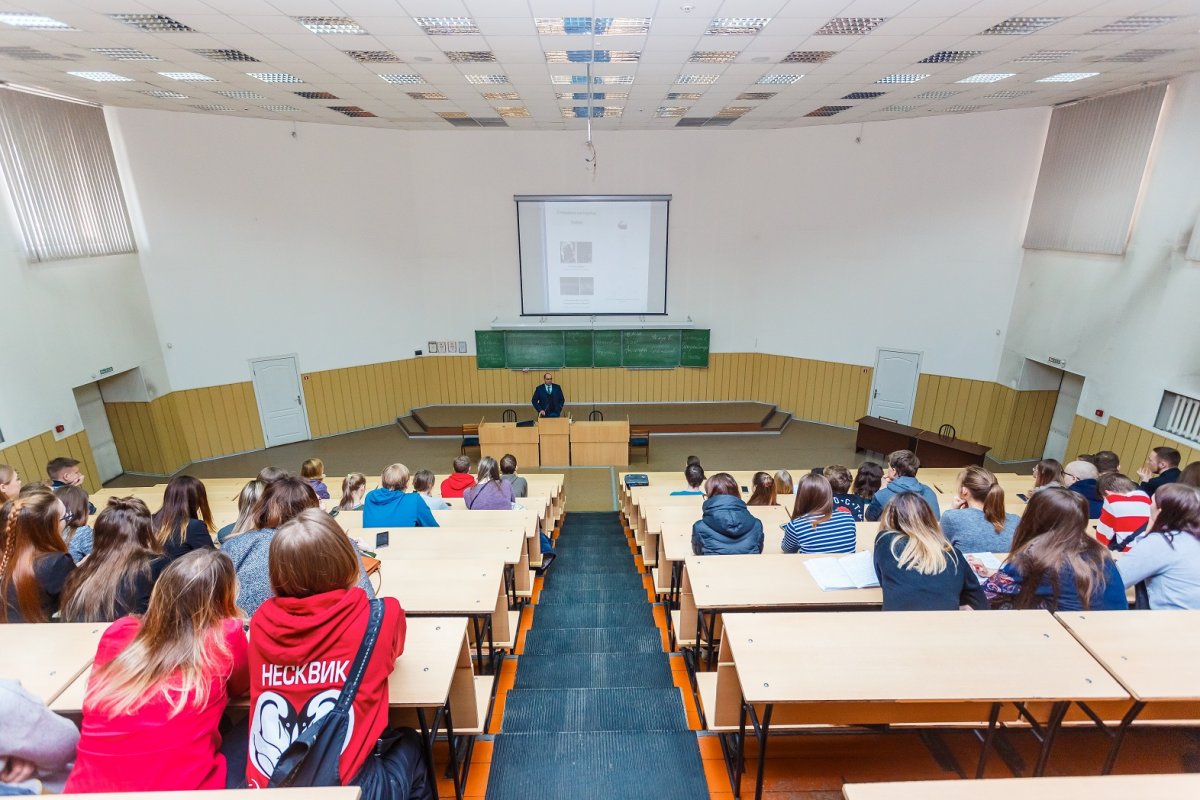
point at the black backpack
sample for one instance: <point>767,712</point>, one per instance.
<point>312,760</point>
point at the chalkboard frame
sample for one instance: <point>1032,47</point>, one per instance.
<point>486,356</point>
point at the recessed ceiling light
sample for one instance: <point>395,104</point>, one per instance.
<point>1133,24</point>
<point>756,95</point>
<point>827,111</point>
<point>734,111</point>
<point>352,111</point>
<point>332,25</point>
<point>241,94</point>
<point>898,108</point>
<point>1067,77</point>
<point>671,111</point>
<point>950,57</point>
<point>403,79</point>
<point>938,94</point>
<point>704,80</point>
<point>986,77</point>
<point>152,23</point>
<point>601,26</point>
<point>212,108</point>
<point>576,80</point>
<point>452,114</point>
<point>486,79</point>
<point>35,22</point>
<point>1019,26</point>
<point>101,76</point>
<point>808,56</point>
<point>195,77</point>
<point>736,26</point>
<point>275,77</point>
<point>512,111</point>
<point>592,96</point>
<point>501,96</point>
<point>961,108</point>
<point>778,79</point>
<point>316,95</point>
<point>426,95</point>
<point>373,56</point>
<point>124,54</point>
<point>470,56</point>
<point>596,111</point>
<point>447,26</point>
<point>850,26</point>
<point>713,56</point>
<point>163,93</point>
<point>1007,94</point>
<point>683,95</point>
<point>280,109</point>
<point>863,95</point>
<point>1136,56</point>
<point>903,77</point>
<point>1045,56</point>
<point>224,54</point>
<point>591,56</point>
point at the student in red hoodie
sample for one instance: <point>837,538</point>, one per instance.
<point>460,481</point>
<point>302,643</point>
<point>160,684</point>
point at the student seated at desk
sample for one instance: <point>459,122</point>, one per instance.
<point>119,575</point>
<point>783,482</point>
<point>1161,469</point>
<point>10,484</point>
<point>184,523</point>
<point>1054,564</point>
<point>727,527</point>
<point>313,471</point>
<point>76,531</point>
<point>1081,477</point>
<point>900,478</point>
<point>978,523</point>
<point>918,569</point>
<point>694,475</point>
<point>762,491</point>
<point>1167,555</point>
<point>867,482</point>
<point>65,472</point>
<point>34,565</point>
<point>1047,473</point>
<point>843,500</point>
<point>454,485</point>
<point>318,619</point>
<point>1190,475</point>
<point>508,474</point>
<point>423,483</point>
<point>1125,513</point>
<point>36,745</point>
<point>354,490</point>
<point>160,685</point>
<point>391,505</point>
<point>246,500</point>
<point>816,526</point>
<point>489,492</point>
<point>268,475</point>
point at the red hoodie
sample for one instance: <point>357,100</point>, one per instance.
<point>301,650</point>
<point>457,483</point>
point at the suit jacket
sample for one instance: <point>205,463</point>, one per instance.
<point>551,402</point>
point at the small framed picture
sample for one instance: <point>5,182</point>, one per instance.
<point>462,347</point>
<point>453,346</point>
<point>433,347</point>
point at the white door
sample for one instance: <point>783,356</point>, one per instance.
<point>894,388</point>
<point>90,403</point>
<point>1067,404</point>
<point>280,400</point>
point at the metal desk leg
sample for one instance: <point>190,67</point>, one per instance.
<point>427,748</point>
<point>1053,724</point>
<point>761,731</point>
<point>1119,736</point>
<point>993,718</point>
<point>458,779</point>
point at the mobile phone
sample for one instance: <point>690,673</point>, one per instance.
<point>1024,499</point>
<point>367,553</point>
<point>745,489</point>
<point>381,539</point>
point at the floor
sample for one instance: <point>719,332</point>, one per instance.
<point>637,413</point>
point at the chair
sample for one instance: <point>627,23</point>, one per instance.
<point>508,416</point>
<point>470,438</point>
<point>639,437</point>
<point>947,431</point>
<point>596,416</point>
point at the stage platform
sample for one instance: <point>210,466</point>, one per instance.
<point>657,417</point>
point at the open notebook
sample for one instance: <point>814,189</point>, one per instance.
<point>847,572</point>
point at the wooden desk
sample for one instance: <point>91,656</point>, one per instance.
<point>934,450</point>
<point>600,443</point>
<point>498,438</point>
<point>883,436</point>
<point>487,543</point>
<point>919,667</point>
<point>528,521</point>
<point>48,657</point>
<point>1114,787</point>
<point>1152,654</point>
<point>673,540</point>
<point>554,440</point>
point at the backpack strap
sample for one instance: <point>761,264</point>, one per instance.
<point>362,658</point>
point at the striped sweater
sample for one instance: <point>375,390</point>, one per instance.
<point>834,535</point>
<point>1122,516</point>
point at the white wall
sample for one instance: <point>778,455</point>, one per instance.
<point>353,246</point>
<point>1127,323</point>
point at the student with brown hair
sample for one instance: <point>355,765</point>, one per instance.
<point>1054,564</point>
<point>184,523</point>
<point>268,475</point>
<point>460,480</point>
<point>390,504</point>
<point>10,484</point>
<point>160,684</point>
<point>1160,469</point>
<point>313,627</point>
<point>978,523</point>
<point>918,569</point>
<point>840,481</point>
<point>1190,475</point>
<point>1107,461</point>
<point>762,490</point>
<point>899,478</point>
<point>354,488</point>
<point>727,527</point>
<point>1047,472</point>
<point>76,531</point>
<point>784,483</point>
<point>867,481</point>
<point>508,474</point>
<point>118,577</point>
<point>489,493</point>
<point>34,563</point>
<point>313,471</point>
<point>1167,556</point>
<point>816,526</point>
<point>423,482</point>
<point>694,475</point>
<point>63,471</point>
<point>247,499</point>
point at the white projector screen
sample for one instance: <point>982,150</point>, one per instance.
<point>593,254</point>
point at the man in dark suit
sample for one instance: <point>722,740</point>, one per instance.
<point>548,399</point>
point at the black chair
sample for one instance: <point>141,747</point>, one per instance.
<point>639,437</point>
<point>596,416</point>
<point>508,416</point>
<point>947,431</point>
<point>470,438</point>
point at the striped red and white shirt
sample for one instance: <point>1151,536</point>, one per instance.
<point>1122,516</point>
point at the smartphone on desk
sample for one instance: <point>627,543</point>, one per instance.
<point>1024,498</point>
<point>381,539</point>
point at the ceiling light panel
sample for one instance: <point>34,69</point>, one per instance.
<point>850,26</point>
<point>510,112</point>
<point>581,112</point>
<point>24,53</point>
<point>426,95</point>
<point>221,54</point>
<point>956,109</point>
<point>1019,26</point>
<point>212,108</point>
<point>1046,56</point>
<point>1134,24</point>
<point>241,94</point>
<point>327,26</point>
<point>756,95</point>
<point>863,95</point>
<point>448,26</point>
<point>152,23</point>
<point>194,77</point>
<point>351,111</point>
<point>734,111</point>
<point>124,54</point>
<point>1137,56</point>
<point>776,79</point>
<point>986,77</point>
<point>373,56</point>
<point>470,56</point>
<point>316,95</point>
<point>591,56</point>
<point>280,109</point>
<point>402,79</point>
<point>275,77</point>
<point>938,94</point>
<point>827,111</point>
<point>1067,77</point>
<point>683,95</point>
<point>736,26</point>
<point>501,96</point>
<point>582,80</point>
<point>452,114</point>
<point>702,80</point>
<point>713,57</point>
<point>1007,94</point>
<point>903,77</point>
<point>164,94</point>
<point>671,111</point>
<point>100,76</point>
<point>594,96</point>
<point>950,57</point>
<point>35,22</point>
<point>601,26</point>
<point>898,108</point>
<point>486,79</point>
<point>808,56</point>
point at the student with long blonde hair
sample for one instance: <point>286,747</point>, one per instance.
<point>247,499</point>
<point>918,569</point>
<point>184,523</point>
<point>10,483</point>
<point>762,492</point>
<point>978,523</point>
<point>160,684</point>
<point>120,573</point>
<point>34,563</point>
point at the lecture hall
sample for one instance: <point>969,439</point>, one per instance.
<point>705,400</point>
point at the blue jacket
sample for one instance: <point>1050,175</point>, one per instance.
<point>551,402</point>
<point>727,528</point>
<point>1087,488</point>
<point>393,507</point>
<point>902,485</point>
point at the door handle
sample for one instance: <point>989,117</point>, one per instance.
<point>298,401</point>
<point>874,394</point>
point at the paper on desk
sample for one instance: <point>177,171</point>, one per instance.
<point>985,565</point>
<point>850,572</point>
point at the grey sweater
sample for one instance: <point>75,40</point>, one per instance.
<point>33,732</point>
<point>249,552</point>
<point>969,531</point>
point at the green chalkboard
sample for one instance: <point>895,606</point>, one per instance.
<point>606,349</point>
<point>578,348</point>
<point>534,349</point>
<point>489,349</point>
<point>650,349</point>
<point>694,350</point>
